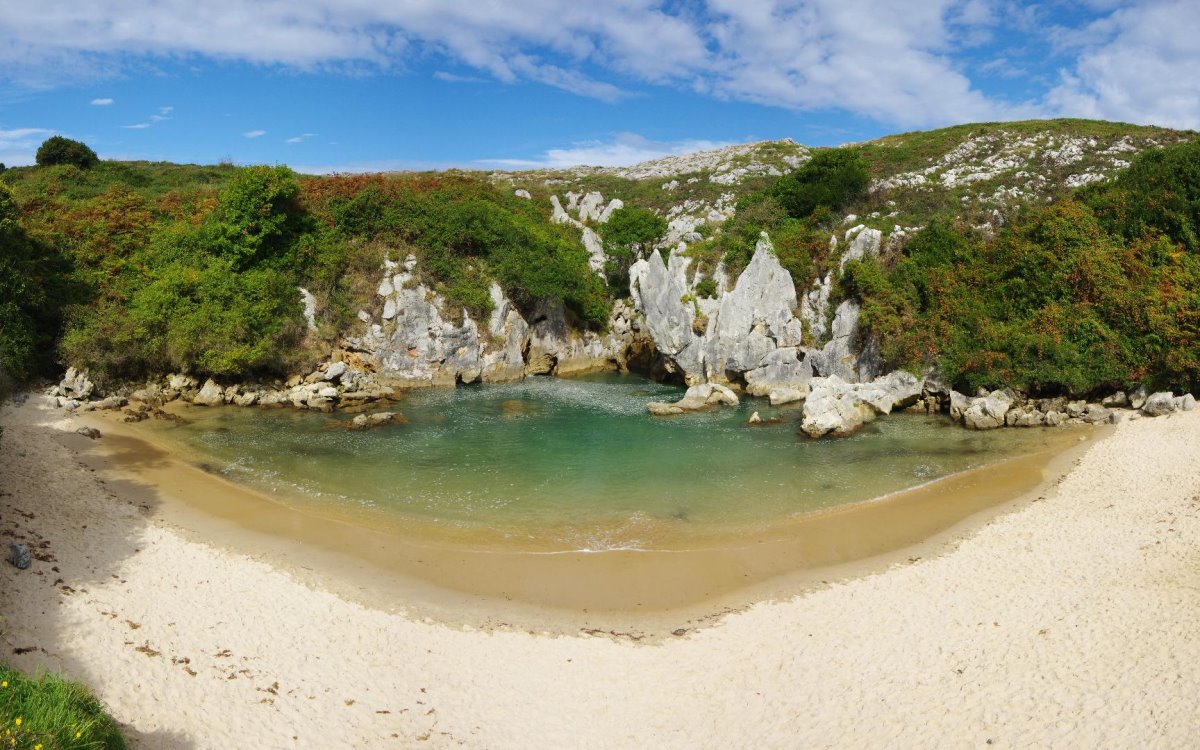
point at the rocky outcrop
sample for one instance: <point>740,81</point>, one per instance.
<point>210,395</point>
<point>415,342</point>
<point>697,397</point>
<point>988,412</point>
<point>835,407</point>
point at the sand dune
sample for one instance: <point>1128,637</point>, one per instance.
<point>1068,622</point>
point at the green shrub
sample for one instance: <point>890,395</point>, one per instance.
<point>58,150</point>
<point>52,713</point>
<point>630,233</point>
<point>832,178</point>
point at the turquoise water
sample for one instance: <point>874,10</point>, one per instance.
<point>578,463</point>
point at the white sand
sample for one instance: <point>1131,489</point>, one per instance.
<point>1071,622</point>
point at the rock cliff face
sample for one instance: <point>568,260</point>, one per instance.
<point>416,341</point>
<point>753,335</point>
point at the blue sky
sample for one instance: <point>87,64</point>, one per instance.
<point>356,85</point>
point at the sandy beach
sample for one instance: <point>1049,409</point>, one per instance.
<point>1068,620</point>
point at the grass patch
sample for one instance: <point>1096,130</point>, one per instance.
<point>51,713</point>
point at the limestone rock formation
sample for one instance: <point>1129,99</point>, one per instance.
<point>697,397</point>
<point>840,408</point>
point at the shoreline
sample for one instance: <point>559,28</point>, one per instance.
<point>651,592</point>
<point>1064,619</point>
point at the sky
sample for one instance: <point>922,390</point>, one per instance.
<point>370,85</point>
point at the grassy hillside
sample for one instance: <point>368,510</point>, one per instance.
<point>133,268</point>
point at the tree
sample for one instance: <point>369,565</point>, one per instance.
<point>59,150</point>
<point>629,234</point>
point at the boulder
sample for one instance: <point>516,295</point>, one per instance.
<point>1024,416</point>
<point>780,396</point>
<point>1097,414</point>
<point>1187,402</point>
<point>210,395</point>
<point>246,399</point>
<point>378,419</point>
<point>181,382</point>
<point>987,412</point>
<point>754,419</point>
<point>335,371</point>
<point>104,404</point>
<point>1137,399</point>
<point>1158,404</point>
<point>833,408</point>
<point>895,390</point>
<point>89,432</point>
<point>1055,418</point>
<point>697,397</point>
<point>75,384</point>
<point>959,403</point>
<point>1116,400</point>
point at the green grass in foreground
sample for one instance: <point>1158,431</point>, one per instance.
<point>49,713</point>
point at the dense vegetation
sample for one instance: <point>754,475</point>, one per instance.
<point>133,269</point>
<point>1090,293</point>
<point>137,269</point>
<point>51,713</point>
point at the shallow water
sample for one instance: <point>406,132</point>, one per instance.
<point>579,464</point>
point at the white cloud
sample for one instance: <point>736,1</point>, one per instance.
<point>622,151</point>
<point>254,133</point>
<point>19,145</point>
<point>138,126</point>
<point>442,75</point>
<point>895,62</point>
<point>1136,65</point>
<point>300,138</point>
<point>102,102</point>
<point>164,113</point>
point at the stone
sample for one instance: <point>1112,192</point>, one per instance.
<point>181,382</point>
<point>959,403</point>
<point>1024,416</point>
<point>1137,399</point>
<point>327,392</point>
<point>1055,418</point>
<point>1117,399</point>
<point>1097,414</point>
<point>246,399</point>
<point>780,396</point>
<point>378,419</point>
<point>18,555</point>
<point>1076,409</point>
<point>755,419</point>
<point>783,368</point>
<point>1188,402</point>
<point>987,412</point>
<point>1159,404</point>
<point>90,433</point>
<point>335,371</point>
<point>210,395</point>
<point>75,384</point>
<point>522,194</point>
<point>697,397</point>
<point>833,408</point>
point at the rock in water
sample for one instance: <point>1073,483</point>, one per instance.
<point>19,556</point>
<point>697,397</point>
<point>89,432</point>
<point>987,412</point>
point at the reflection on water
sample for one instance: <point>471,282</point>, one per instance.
<point>579,463</point>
